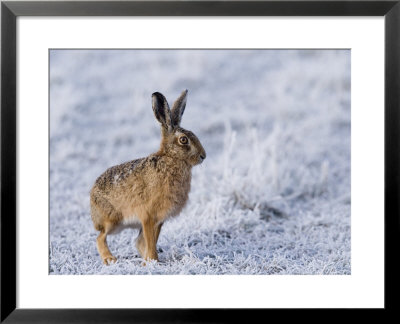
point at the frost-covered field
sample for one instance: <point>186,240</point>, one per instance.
<point>273,195</point>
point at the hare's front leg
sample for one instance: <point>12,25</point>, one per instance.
<point>149,234</point>
<point>147,239</point>
<point>141,243</point>
<point>102,246</point>
<point>158,230</point>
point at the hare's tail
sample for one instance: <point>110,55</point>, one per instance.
<point>102,211</point>
<point>95,215</point>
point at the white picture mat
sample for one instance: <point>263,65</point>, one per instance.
<point>363,288</point>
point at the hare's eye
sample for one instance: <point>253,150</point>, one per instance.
<point>183,140</point>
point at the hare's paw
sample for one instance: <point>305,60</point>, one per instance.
<point>151,257</point>
<point>109,260</point>
<point>146,261</point>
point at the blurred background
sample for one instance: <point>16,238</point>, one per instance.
<point>273,195</point>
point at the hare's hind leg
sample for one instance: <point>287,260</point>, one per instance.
<point>104,218</point>
<point>102,246</point>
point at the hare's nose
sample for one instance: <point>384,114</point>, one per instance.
<point>203,156</point>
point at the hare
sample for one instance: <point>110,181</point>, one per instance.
<point>144,193</point>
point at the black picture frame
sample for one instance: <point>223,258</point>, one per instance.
<point>10,10</point>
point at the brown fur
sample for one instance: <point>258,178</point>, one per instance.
<point>144,193</point>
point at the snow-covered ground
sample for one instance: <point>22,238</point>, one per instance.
<point>273,195</point>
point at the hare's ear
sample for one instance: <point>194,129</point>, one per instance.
<point>178,108</point>
<point>161,110</point>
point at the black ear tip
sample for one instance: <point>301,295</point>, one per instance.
<point>157,94</point>
<point>159,97</point>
